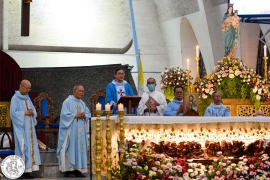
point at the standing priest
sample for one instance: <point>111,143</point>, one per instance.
<point>153,103</point>
<point>23,115</point>
<point>72,139</point>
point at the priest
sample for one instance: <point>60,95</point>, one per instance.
<point>23,115</point>
<point>175,107</point>
<point>72,139</point>
<point>153,103</point>
<point>117,88</point>
<point>216,108</point>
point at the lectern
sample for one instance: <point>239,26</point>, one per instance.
<point>129,102</point>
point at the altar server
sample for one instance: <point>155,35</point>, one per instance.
<point>117,88</point>
<point>72,139</point>
<point>23,115</point>
<point>175,107</point>
<point>217,108</point>
<point>153,103</point>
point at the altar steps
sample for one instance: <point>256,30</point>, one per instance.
<point>49,166</point>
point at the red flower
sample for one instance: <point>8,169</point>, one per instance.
<point>139,160</point>
<point>144,156</point>
<point>132,175</point>
<point>133,136</point>
<point>151,161</point>
<point>119,176</point>
<point>140,176</point>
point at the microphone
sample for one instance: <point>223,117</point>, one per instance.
<point>148,100</point>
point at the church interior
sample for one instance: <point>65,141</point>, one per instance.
<point>58,44</point>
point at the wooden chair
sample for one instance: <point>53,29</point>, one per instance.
<point>98,97</point>
<point>47,123</point>
<point>6,133</point>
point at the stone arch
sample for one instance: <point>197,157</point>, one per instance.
<point>188,45</point>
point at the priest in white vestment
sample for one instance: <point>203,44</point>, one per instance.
<point>23,115</point>
<point>72,139</point>
<point>153,103</point>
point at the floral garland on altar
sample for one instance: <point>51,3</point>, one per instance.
<point>172,77</point>
<point>145,164</point>
<point>234,80</point>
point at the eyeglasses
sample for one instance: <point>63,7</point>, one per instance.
<point>28,89</point>
<point>178,92</point>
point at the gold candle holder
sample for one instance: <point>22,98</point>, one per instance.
<point>98,144</point>
<point>265,58</point>
<point>188,74</point>
<point>109,145</point>
<point>122,132</point>
<point>198,79</point>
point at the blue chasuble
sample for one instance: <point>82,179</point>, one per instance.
<point>172,107</point>
<point>217,110</point>
<point>111,93</point>
<point>24,130</point>
<point>72,139</point>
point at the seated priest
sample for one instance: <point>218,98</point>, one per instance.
<point>216,108</point>
<point>117,88</point>
<point>258,113</point>
<point>153,103</point>
<point>175,107</point>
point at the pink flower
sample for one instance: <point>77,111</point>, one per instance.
<point>154,168</point>
<point>157,163</point>
<point>218,173</point>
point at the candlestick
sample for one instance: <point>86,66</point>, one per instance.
<point>265,58</point>
<point>98,106</point>
<point>122,131</point>
<point>109,145</point>
<point>197,51</point>
<point>264,48</point>
<point>187,64</point>
<point>188,72</point>
<point>98,145</point>
<point>107,107</point>
<point>198,79</point>
<point>120,107</point>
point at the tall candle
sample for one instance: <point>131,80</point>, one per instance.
<point>187,64</point>
<point>197,51</point>
<point>107,107</point>
<point>264,48</point>
<point>98,106</point>
<point>120,107</point>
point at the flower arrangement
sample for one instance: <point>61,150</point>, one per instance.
<point>172,77</point>
<point>144,164</point>
<point>234,80</point>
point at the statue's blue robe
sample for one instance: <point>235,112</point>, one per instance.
<point>172,107</point>
<point>217,110</point>
<point>74,131</point>
<point>22,128</point>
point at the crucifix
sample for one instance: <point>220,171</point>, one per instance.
<point>25,21</point>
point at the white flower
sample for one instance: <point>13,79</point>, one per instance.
<point>204,96</point>
<point>258,97</point>
<point>255,89</point>
<point>231,76</point>
<point>260,91</point>
<point>190,170</point>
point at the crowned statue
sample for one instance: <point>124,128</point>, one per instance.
<point>230,26</point>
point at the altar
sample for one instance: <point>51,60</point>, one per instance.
<point>179,129</point>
